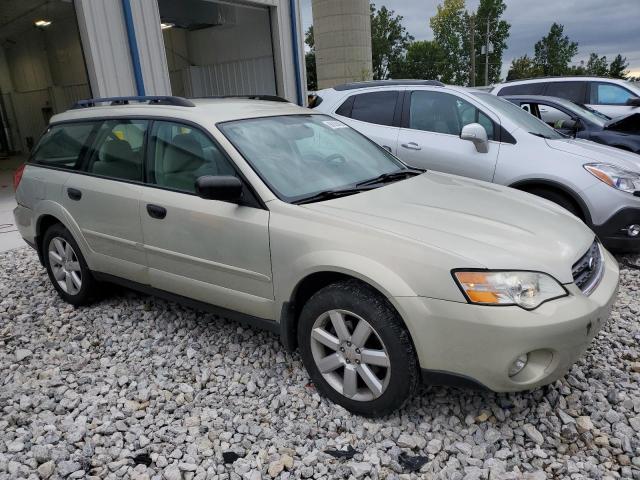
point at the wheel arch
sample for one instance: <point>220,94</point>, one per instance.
<point>526,185</point>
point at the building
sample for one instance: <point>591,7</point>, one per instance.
<point>54,52</point>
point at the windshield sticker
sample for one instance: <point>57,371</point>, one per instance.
<point>334,124</point>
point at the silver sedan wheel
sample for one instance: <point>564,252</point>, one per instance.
<point>65,265</point>
<point>350,355</point>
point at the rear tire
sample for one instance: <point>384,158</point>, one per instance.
<point>357,350</point>
<point>67,268</point>
<point>558,198</point>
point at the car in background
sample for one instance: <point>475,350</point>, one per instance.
<point>582,122</point>
<point>611,96</point>
<point>268,213</point>
<point>479,135</point>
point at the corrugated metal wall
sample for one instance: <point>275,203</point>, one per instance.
<point>243,77</point>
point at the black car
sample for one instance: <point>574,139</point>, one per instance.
<point>582,122</point>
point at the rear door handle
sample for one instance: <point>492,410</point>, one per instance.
<point>156,211</point>
<point>74,194</point>
<point>412,146</point>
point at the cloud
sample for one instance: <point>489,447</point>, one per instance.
<point>607,28</point>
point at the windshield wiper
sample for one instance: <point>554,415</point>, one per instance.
<point>392,176</point>
<point>536,134</point>
<point>329,194</point>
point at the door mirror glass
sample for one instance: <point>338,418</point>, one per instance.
<point>633,102</point>
<point>474,132</point>
<point>225,188</point>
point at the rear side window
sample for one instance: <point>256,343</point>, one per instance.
<point>118,151</point>
<point>608,94</point>
<point>63,146</point>
<point>524,89</point>
<point>372,107</point>
<point>573,91</point>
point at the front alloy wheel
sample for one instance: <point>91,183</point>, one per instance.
<point>350,355</point>
<point>65,265</point>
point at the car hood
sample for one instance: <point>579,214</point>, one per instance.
<point>628,123</point>
<point>595,152</point>
<point>481,224</point>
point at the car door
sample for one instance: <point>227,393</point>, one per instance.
<point>430,135</point>
<point>103,198</point>
<point>208,250</point>
<point>610,99</point>
<point>375,114</point>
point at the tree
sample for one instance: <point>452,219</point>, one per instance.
<point>310,60</point>
<point>424,60</point>
<point>618,67</point>
<point>490,11</point>
<point>554,52</point>
<point>597,66</point>
<point>523,67</point>
<point>450,27</point>
<point>389,40</point>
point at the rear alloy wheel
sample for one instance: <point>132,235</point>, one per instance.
<point>356,349</point>
<point>66,266</point>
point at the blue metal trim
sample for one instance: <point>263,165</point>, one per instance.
<point>133,46</point>
<point>296,50</point>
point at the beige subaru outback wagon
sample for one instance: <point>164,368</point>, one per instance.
<point>282,218</point>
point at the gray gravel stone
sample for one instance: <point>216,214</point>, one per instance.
<point>132,375</point>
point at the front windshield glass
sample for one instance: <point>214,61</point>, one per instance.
<point>591,115</point>
<point>299,156</point>
<point>517,115</point>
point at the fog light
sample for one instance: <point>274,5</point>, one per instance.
<point>633,230</point>
<point>518,364</point>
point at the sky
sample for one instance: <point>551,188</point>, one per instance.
<point>605,27</point>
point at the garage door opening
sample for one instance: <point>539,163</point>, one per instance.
<point>216,48</point>
<point>42,69</point>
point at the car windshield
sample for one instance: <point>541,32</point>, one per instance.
<point>591,115</point>
<point>517,115</point>
<point>299,156</point>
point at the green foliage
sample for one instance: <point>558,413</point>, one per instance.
<point>450,30</point>
<point>597,66</point>
<point>310,60</point>
<point>618,67</point>
<point>424,60</point>
<point>491,11</point>
<point>524,67</point>
<point>389,40</point>
<point>554,52</point>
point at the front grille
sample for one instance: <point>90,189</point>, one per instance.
<point>587,271</point>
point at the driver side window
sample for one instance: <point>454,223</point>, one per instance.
<point>445,113</point>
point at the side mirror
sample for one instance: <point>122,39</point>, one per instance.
<point>224,188</point>
<point>633,102</point>
<point>474,132</point>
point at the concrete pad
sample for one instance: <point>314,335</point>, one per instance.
<point>9,236</point>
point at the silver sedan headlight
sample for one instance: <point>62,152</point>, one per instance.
<point>615,177</point>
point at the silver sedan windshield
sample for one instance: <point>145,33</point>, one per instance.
<point>300,155</point>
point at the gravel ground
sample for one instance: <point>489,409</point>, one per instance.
<point>135,387</point>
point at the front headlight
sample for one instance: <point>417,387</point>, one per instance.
<point>525,289</point>
<point>615,177</point>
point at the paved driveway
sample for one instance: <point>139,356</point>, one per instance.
<point>9,236</point>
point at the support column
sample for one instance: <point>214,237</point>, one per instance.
<point>342,34</point>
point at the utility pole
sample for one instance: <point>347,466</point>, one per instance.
<point>472,27</point>
<point>486,55</point>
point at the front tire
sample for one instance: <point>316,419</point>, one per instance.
<point>67,268</point>
<point>357,350</point>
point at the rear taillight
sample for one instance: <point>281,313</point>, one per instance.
<point>17,176</point>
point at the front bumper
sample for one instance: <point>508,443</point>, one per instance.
<point>613,235</point>
<point>479,343</point>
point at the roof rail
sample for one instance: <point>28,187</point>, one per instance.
<point>268,98</point>
<point>383,83</point>
<point>551,77</point>
<point>151,100</point>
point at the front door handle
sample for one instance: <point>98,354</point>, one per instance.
<point>74,194</point>
<point>412,146</point>
<point>156,211</point>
